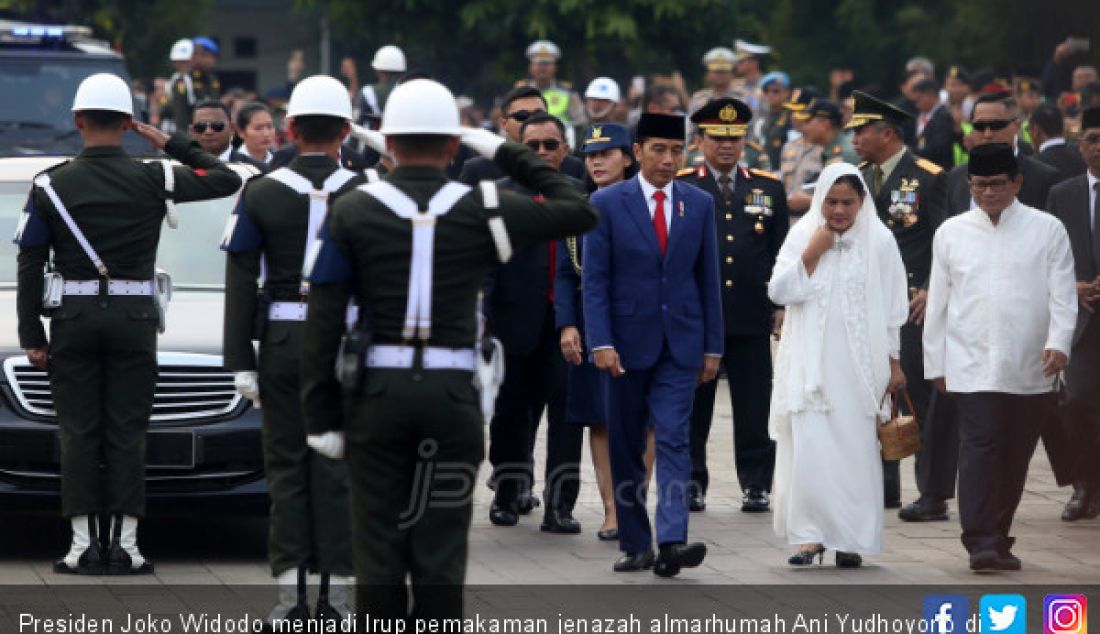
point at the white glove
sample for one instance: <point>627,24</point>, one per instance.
<point>329,444</point>
<point>373,138</point>
<point>482,141</point>
<point>247,384</point>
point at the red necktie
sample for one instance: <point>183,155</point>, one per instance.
<point>659,221</point>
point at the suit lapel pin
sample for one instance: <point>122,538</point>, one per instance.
<point>681,209</point>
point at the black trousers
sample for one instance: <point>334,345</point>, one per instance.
<point>921,393</point>
<point>1080,409</point>
<point>998,433</point>
<point>748,364</point>
<point>415,442</point>
<point>103,373</point>
<point>532,383</point>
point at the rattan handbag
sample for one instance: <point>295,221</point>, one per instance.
<point>899,436</point>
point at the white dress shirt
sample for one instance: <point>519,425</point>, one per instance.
<point>998,296</point>
<point>1052,142</point>
<point>224,156</point>
<point>648,189</point>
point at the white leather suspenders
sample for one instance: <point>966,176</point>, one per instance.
<point>42,181</point>
<point>170,187</point>
<point>418,312</point>
<point>491,199</point>
<point>318,207</point>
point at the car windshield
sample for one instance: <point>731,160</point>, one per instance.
<point>52,84</point>
<point>190,253</point>
<point>40,120</point>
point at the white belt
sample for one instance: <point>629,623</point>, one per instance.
<point>114,287</point>
<point>433,358</point>
<point>287,311</point>
<point>296,311</point>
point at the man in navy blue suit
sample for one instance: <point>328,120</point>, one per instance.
<point>653,308</point>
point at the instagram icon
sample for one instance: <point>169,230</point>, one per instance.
<point>1065,614</point>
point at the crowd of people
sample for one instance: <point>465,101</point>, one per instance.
<point>623,250</point>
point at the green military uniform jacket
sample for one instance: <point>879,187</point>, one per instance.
<point>366,255</point>
<point>272,222</point>
<point>840,151</point>
<point>118,203</point>
<point>204,86</point>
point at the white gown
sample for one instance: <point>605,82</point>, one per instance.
<point>834,489</point>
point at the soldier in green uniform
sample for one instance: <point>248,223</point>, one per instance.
<point>413,250</point>
<point>751,216</point>
<point>388,63</point>
<point>775,128</point>
<point>561,100</point>
<point>824,128</point>
<point>277,217</point>
<point>198,84</point>
<point>101,214</point>
<point>910,194</point>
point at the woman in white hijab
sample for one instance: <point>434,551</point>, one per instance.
<point>842,280</point>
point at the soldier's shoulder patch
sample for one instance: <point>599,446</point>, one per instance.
<point>928,166</point>
<point>687,171</point>
<point>765,174</point>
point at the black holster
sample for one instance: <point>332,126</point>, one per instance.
<point>351,358</point>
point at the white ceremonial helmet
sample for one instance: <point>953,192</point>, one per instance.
<point>421,106</point>
<point>603,88</point>
<point>319,95</point>
<point>104,91</point>
<point>182,51</point>
<point>389,59</point>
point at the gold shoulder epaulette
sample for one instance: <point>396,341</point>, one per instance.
<point>765,174</point>
<point>756,146</point>
<point>928,166</point>
<point>685,171</point>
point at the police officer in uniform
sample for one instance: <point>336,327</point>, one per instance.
<point>910,194</point>
<point>276,218</point>
<point>101,215</point>
<point>751,213</point>
<point>561,100</point>
<point>719,63</point>
<point>180,56</point>
<point>800,162</point>
<point>413,250</point>
<point>198,84</point>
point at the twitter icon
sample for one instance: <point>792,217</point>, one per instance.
<point>1003,613</point>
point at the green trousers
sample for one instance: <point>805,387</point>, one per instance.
<point>415,441</point>
<point>103,371</point>
<point>309,523</point>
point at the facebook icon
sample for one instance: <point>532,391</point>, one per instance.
<point>945,613</point>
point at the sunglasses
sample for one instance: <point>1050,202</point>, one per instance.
<point>200,126</point>
<point>549,144</point>
<point>992,124</point>
<point>522,115</point>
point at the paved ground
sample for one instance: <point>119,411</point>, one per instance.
<point>742,547</point>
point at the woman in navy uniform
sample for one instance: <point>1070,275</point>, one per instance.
<point>608,160</point>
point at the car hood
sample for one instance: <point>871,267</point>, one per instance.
<point>194,322</point>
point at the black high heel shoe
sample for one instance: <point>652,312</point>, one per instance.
<point>806,557</point>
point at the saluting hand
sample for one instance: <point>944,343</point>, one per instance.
<point>151,134</point>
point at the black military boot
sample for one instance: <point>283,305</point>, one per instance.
<point>85,555</point>
<point>123,556</point>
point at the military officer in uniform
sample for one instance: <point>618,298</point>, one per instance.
<point>774,129</point>
<point>910,194</point>
<point>824,127</point>
<point>719,63</point>
<point>800,161</point>
<point>180,56</point>
<point>413,250</point>
<point>752,221</point>
<point>276,219</point>
<point>101,215</point>
<point>388,63</point>
<point>198,84</point>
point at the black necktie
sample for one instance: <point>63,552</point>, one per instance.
<point>727,190</point>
